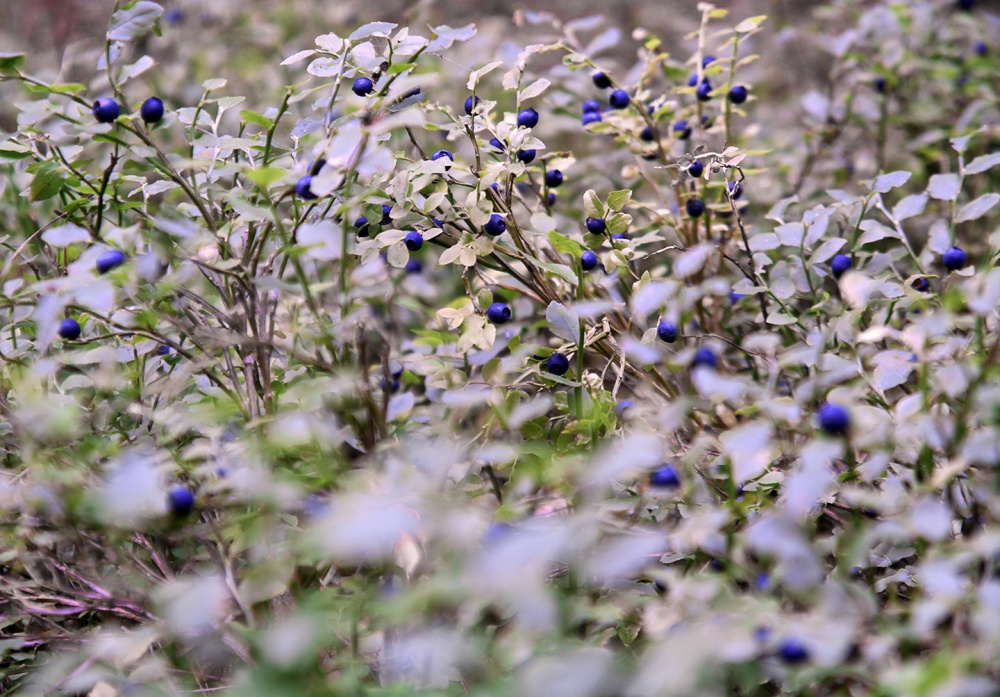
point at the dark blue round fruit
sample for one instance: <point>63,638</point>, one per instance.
<point>696,169</point>
<point>106,110</point>
<point>793,651</point>
<point>596,226</point>
<point>665,476</point>
<point>692,79</point>
<point>979,48</point>
<point>110,260</point>
<point>495,142</point>
<point>588,260</point>
<point>955,259</point>
<point>386,219</point>
<point>590,117</point>
<point>667,331</point>
<point>363,86</point>
<point>839,265</point>
<point>180,500</point>
<point>361,225</point>
<point>735,297</point>
<point>738,94</point>
<point>966,4</point>
<point>557,364</point>
<point>302,188</point>
<point>735,190</point>
<point>70,329</point>
<point>438,154</point>
<point>601,81</point>
<point>162,350</point>
<point>526,156</point>
<point>619,99</point>
<point>682,130</point>
<point>704,356</point>
<point>695,207</point>
<point>550,198</point>
<point>528,118</point>
<point>151,110</point>
<point>704,91</point>
<point>833,419</point>
<point>921,284</point>
<point>623,406</point>
<point>647,134</point>
<point>470,104</point>
<point>413,240</point>
<point>414,266</point>
<point>707,61</point>
<point>591,105</point>
<point>496,225</point>
<point>174,16</point>
<point>498,313</point>
<point>553,178</point>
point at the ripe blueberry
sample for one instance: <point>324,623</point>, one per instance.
<point>105,110</point>
<point>682,130</point>
<point>839,265</point>
<point>833,419</point>
<point>413,241</point>
<point>665,476</point>
<point>738,94</point>
<point>736,190</point>
<point>588,260</point>
<point>694,207</point>
<point>110,260</point>
<point>414,266</point>
<point>496,225</point>
<point>303,190</point>
<point>707,61</point>
<point>693,80</point>
<point>793,651</point>
<point>955,259</point>
<point>180,500</point>
<point>704,357</point>
<point>151,110</point>
<point>696,169</point>
<point>438,154</point>
<point>553,178</point>
<point>735,297</point>
<point>591,105</point>
<point>590,117</point>
<point>596,226</point>
<point>495,142</point>
<point>647,134</point>
<point>704,91</point>
<point>667,331</point>
<point>601,81</point>
<point>966,4</point>
<point>363,86</point>
<point>386,209</point>
<point>623,406</point>
<point>880,84</point>
<point>527,118</point>
<point>162,350</point>
<point>526,156</point>
<point>551,198</point>
<point>470,104</point>
<point>361,224</point>
<point>69,329</point>
<point>557,364</point>
<point>619,99</point>
<point>921,284</point>
<point>979,48</point>
<point>498,313</point>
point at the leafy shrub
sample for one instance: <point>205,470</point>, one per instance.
<point>413,378</point>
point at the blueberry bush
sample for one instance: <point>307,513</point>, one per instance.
<point>572,363</point>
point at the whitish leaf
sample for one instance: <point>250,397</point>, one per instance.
<point>691,261</point>
<point>827,250</point>
<point>652,296</point>
<point>790,234</point>
<point>889,181</point>
<point>892,368</point>
<point>323,240</point>
<point>299,56</point>
<point>134,22</point>
<point>363,32</point>
<point>399,406</point>
<point>749,449</point>
<point>978,208</point>
<point>606,39</point>
<point>535,88</point>
<point>749,24</point>
<point>530,409</point>
<point>639,353</point>
<point>563,322</point>
<point>811,478</point>
<point>592,205</point>
<point>477,75</point>
<point>983,163</point>
<point>136,69</point>
<point>875,231</point>
<point>445,36</point>
<point>985,302</point>
<point>65,235</point>
<point>945,187</point>
<point>910,206</point>
<point>764,241</point>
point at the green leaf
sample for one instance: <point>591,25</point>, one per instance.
<point>134,21</point>
<point>592,205</point>
<point>264,176</point>
<point>10,63</point>
<point>618,199</point>
<point>48,180</point>
<point>618,223</point>
<point>14,151</point>
<point>258,119</point>
<point>563,244</point>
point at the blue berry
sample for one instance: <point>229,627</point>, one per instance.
<point>619,99</point>
<point>526,156</point>
<point>793,651</point>
<point>647,134</point>
<point>601,81</point>
<point>151,110</point>
<point>180,501</point>
<point>110,260</point>
<point>696,169</point>
<point>966,4</point>
<point>955,259</point>
<point>438,154</point>
<point>106,110</point>
<point>551,198</point>
<point>693,79</point>
<point>921,284</point>
<point>833,419</point>
<point>738,94</point>
<point>695,207</point>
<point>361,225</point>
<point>667,331</point>
<point>527,118</point>
<point>839,265</point>
<point>682,130</point>
<point>413,241</point>
<point>70,329</point>
<point>880,84</point>
<point>498,313</point>
<point>495,142</point>
<point>174,16</point>
<point>665,476</point>
<point>735,297</point>
<point>363,86</point>
<point>736,190</point>
<point>591,105</point>
<point>596,226</point>
<point>979,48</point>
<point>470,104</point>
<point>317,166</point>
<point>553,178</point>
<point>623,406</point>
<point>704,91</point>
<point>590,117</point>
<point>496,225</point>
<point>557,364</point>
<point>386,219</point>
<point>588,260</point>
<point>414,266</point>
<point>707,61</point>
<point>162,350</point>
<point>303,190</point>
<point>704,356</point>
